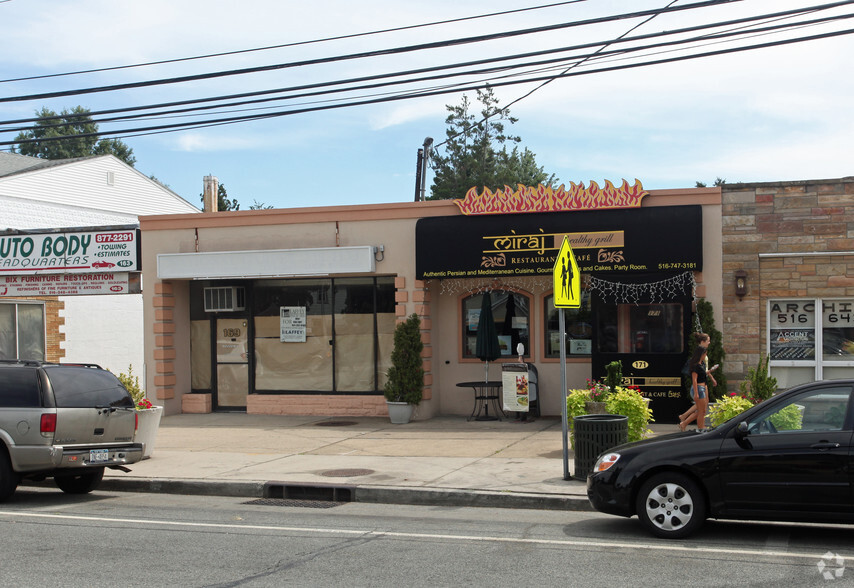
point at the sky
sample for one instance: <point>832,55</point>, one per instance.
<point>772,114</point>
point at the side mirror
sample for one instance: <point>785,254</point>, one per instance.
<point>742,430</point>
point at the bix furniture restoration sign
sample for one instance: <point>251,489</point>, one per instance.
<point>69,284</point>
<point>52,252</point>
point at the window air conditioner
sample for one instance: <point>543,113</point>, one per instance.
<point>225,299</point>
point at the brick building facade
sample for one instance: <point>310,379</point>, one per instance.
<point>795,241</point>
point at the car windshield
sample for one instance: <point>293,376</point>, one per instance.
<point>82,387</point>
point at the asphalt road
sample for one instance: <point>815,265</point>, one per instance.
<point>124,539</point>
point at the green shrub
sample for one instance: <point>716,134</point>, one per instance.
<point>716,352</point>
<point>758,386</point>
<point>625,401</point>
<point>633,405</point>
<point>406,375</point>
<point>613,375</point>
<point>131,382</point>
<point>789,418</point>
<point>727,408</point>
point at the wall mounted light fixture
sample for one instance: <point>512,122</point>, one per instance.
<point>740,283</point>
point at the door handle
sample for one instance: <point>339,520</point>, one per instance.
<point>822,445</point>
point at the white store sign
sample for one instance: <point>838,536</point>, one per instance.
<point>72,252</point>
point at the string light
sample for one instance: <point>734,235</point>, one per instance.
<point>657,292</point>
<point>532,285</point>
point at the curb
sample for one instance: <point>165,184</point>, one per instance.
<point>365,494</point>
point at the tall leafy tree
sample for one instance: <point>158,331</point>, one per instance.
<point>475,153</point>
<point>62,136</point>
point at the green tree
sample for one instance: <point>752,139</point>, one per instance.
<point>223,203</point>
<point>63,136</point>
<point>719,181</point>
<point>475,152</point>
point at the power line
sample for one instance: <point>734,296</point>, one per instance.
<point>295,44</point>
<point>578,60</point>
<point>365,54</point>
<point>124,133</point>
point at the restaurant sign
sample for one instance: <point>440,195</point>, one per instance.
<point>52,252</point>
<point>640,240</point>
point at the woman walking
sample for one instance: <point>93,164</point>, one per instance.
<point>702,340</point>
<point>699,391</point>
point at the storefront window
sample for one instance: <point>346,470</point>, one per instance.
<point>511,311</point>
<point>796,332</point>
<point>22,331</point>
<point>356,322</point>
<point>348,338</point>
<point>579,328</point>
<point>640,328</point>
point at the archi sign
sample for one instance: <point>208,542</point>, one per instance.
<point>640,240</point>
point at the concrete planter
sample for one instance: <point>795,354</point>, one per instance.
<point>400,412</point>
<point>146,430</point>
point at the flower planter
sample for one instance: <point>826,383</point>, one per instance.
<point>399,412</point>
<point>146,431</point>
<point>594,407</point>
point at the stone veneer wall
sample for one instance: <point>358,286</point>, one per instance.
<point>778,232</point>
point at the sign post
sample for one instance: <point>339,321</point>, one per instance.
<point>567,294</point>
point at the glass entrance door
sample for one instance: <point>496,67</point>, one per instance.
<point>232,363</point>
<point>649,340</point>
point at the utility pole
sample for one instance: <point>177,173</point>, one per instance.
<point>421,168</point>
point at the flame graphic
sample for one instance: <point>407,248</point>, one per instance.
<point>548,199</point>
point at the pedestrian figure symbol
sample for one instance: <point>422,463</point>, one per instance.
<point>567,278</point>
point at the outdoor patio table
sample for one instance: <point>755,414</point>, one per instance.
<point>484,393</point>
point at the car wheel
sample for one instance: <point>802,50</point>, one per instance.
<point>671,505</point>
<point>8,478</point>
<point>80,483</point>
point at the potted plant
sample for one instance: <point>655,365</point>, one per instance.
<point>148,416</point>
<point>726,408</point>
<point>759,385</point>
<point>405,383</point>
<point>626,401</point>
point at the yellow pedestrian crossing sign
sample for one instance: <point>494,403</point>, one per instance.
<point>567,278</point>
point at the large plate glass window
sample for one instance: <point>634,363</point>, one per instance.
<point>511,311</point>
<point>810,339</point>
<point>579,328</point>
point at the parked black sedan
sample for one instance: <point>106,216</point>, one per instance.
<point>790,458</point>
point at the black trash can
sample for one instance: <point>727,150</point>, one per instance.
<point>594,434</point>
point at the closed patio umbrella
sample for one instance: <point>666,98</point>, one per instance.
<point>487,347</point>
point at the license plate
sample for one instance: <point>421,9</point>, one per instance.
<point>99,455</point>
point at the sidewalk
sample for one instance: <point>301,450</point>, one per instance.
<point>442,461</point>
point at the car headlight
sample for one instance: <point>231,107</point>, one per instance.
<point>605,462</point>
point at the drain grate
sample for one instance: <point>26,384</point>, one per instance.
<point>335,424</point>
<point>294,503</point>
